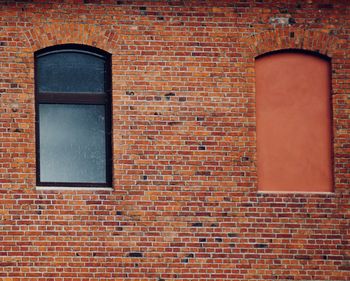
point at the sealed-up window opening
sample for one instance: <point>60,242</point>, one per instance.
<point>294,130</point>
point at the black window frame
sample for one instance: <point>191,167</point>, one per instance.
<point>80,98</point>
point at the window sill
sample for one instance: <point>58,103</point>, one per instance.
<point>73,188</point>
<point>297,192</point>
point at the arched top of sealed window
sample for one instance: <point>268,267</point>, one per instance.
<point>71,68</point>
<point>294,51</point>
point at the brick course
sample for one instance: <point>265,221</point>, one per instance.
<point>184,203</point>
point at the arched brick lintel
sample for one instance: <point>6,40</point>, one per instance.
<point>288,38</point>
<point>50,34</point>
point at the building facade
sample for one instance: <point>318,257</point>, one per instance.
<point>137,142</point>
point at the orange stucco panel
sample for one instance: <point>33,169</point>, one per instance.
<point>294,149</point>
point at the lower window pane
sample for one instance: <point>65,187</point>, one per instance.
<point>72,143</point>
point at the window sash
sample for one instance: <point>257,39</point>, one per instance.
<point>96,98</point>
<point>74,98</point>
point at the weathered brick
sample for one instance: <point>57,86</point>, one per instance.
<point>184,203</point>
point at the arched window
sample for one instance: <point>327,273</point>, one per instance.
<point>294,132</point>
<point>73,116</point>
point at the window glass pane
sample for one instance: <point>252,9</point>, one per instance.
<point>70,72</point>
<point>72,143</point>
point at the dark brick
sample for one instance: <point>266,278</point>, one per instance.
<point>135,255</point>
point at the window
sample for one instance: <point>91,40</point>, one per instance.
<point>294,148</point>
<point>73,116</point>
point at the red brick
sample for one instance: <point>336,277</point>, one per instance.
<point>184,203</point>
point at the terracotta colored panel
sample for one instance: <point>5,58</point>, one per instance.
<point>293,123</point>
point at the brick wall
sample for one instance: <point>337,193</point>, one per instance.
<point>184,203</point>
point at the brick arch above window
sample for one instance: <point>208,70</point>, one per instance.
<point>51,34</point>
<point>292,38</point>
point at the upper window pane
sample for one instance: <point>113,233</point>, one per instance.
<point>70,72</point>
